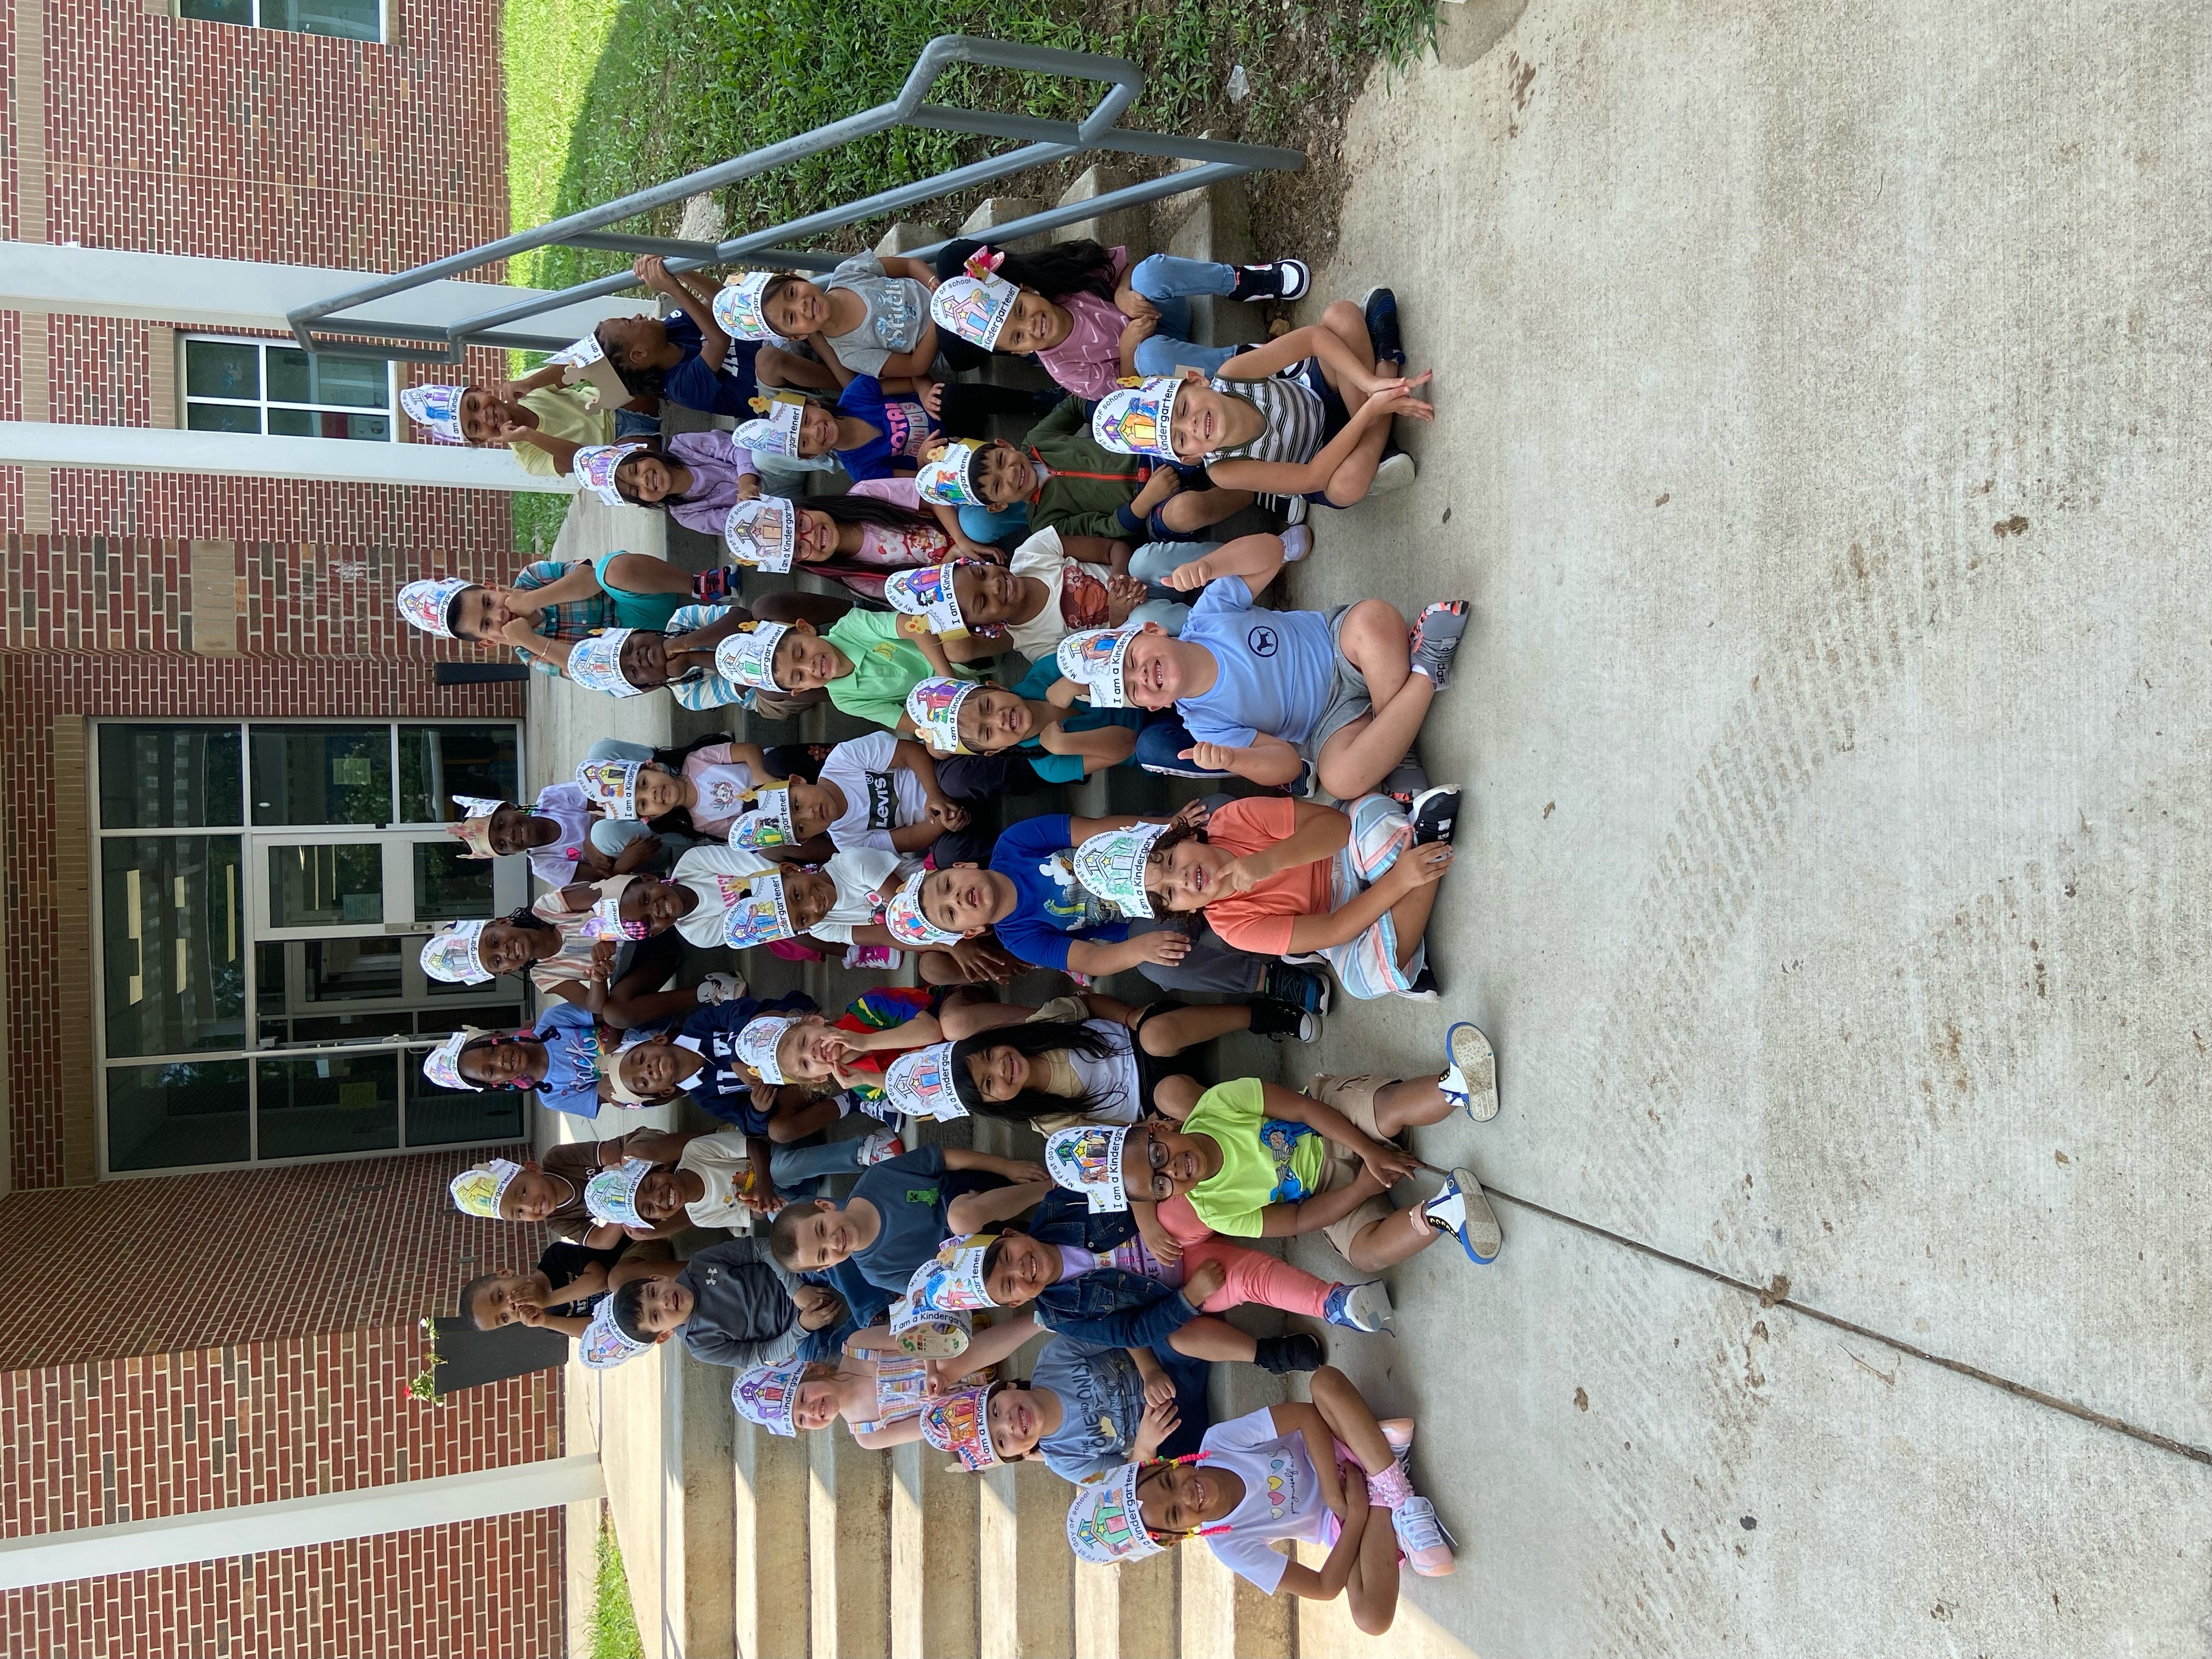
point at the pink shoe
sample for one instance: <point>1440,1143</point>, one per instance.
<point>1421,1536</point>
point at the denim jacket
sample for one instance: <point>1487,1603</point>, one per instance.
<point>1111,1306</point>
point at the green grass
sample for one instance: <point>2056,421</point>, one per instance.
<point>614,1624</point>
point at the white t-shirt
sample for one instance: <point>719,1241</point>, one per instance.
<point>877,800</point>
<point>700,869</point>
<point>1043,557</point>
<point>1111,1082</point>
<point>720,1162</point>
<point>858,874</point>
<point>1249,1447</point>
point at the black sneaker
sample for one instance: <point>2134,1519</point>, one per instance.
<point>1296,987</point>
<point>1434,813</point>
<point>1280,1020</point>
<point>1381,310</point>
<point>1300,1351</point>
<point>1284,279</point>
<point>1423,987</point>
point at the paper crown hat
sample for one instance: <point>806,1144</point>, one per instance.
<point>756,1045</point>
<point>436,410</point>
<point>477,1192</point>
<point>777,431</point>
<point>737,307</point>
<point>605,920</point>
<point>748,656</point>
<point>755,910</point>
<point>610,1066</point>
<point>586,364</point>
<point>1138,419</point>
<point>474,831</point>
<point>594,467</point>
<point>926,591</point>
<point>450,955</point>
<point>975,305</point>
<point>424,604</point>
<point>762,533</point>
<point>1098,657</point>
<point>933,705</point>
<point>952,1282</point>
<point>919,1084</point>
<point>604,1344</point>
<point>1106,1521</point>
<point>611,1196</point>
<point>769,823</point>
<point>1087,1159</point>
<point>960,1422</point>
<point>442,1064</point>
<point>767,1394</point>
<point>950,479</point>
<point>1111,865</point>
<point>595,664</point>
<point>611,784</point>
<point>909,923</point>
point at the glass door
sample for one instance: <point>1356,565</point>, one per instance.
<point>362,883</point>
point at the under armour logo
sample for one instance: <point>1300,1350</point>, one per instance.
<point>1263,641</point>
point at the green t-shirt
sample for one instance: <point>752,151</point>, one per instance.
<point>886,665</point>
<point>1264,1160</point>
<point>560,414</point>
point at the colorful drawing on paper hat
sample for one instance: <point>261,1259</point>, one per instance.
<point>952,1282</point>
<point>1138,419</point>
<point>611,784</point>
<point>451,957</point>
<point>926,591</point>
<point>756,1045</point>
<point>767,1394</point>
<point>949,480</point>
<point>1098,657</point>
<point>442,1064</point>
<point>477,1192</point>
<point>907,923</point>
<point>737,307</point>
<point>777,431</point>
<point>424,604</point>
<point>748,656</point>
<point>595,664</point>
<point>959,1423</point>
<point>933,705</point>
<point>611,1196</point>
<point>975,306</point>
<point>437,409</point>
<point>1111,865</point>
<point>754,909</point>
<point>919,1083</point>
<point>604,1344</point>
<point>1087,1159</point>
<point>1106,1521</point>
<point>762,533</point>
<point>595,466</point>
<point>769,823</point>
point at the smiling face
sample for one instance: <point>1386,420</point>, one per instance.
<point>812,809</point>
<point>1188,876</point>
<point>795,307</point>
<point>817,431</point>
<point>659,904</point>
<point>1024,1269</point>
<point>514,829</point>
<point>506,948</point>
<point>805,661</point>
<point>1152,673</point>
<point>499,1301</point>
<point>809,896</point>
<point>478,613</point>
<point>1175,1497</point>
<point>1004,474</point>
<point>659,791</point>
<point>1015,1423</point>
<point>656,1068</point>
<point>986,592</point>
<point>1200,422</point>
<point>482,415</point>
<point>818,535</point>
<point>645,658</point>
<point>999,1073</point>
<point>824,1237</point>
<point>660,1197</point>
<point>808,1048</point>
<point>964,899</point>
<point>533,1195</point>
<point>1152,1155</point>
<point>992,719</point>
<point>816,1404</point>
<point>645,478</point>
<point>1036,324</point>
<point>503,1063</point>
<point>662,1305</point>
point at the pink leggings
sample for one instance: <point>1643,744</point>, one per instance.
<point>1254,1275</point>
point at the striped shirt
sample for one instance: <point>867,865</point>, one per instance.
<point>576,619</point>
<point>1294,421</point>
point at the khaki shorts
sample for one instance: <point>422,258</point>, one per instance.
<point>1354,1096</point>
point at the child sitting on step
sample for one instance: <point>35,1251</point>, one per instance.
<point>702,1179</point>
<point>1324,1471</point>
<point>734,1306</point>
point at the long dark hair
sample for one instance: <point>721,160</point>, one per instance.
<point>1029,1039</point>
<point>1058,271</point>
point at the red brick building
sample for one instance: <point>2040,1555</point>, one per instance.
<point>224,763</point>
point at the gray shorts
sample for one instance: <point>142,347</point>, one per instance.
<point>1348,698</point>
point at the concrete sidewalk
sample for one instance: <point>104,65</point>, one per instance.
<point>1821,427</point>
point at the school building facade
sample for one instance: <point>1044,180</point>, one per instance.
<point>226,765</point>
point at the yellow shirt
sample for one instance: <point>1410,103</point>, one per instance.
<point>560,414</point>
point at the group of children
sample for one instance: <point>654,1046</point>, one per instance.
<point>1084,553</point>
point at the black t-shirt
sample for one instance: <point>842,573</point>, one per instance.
<point>564,1262</point>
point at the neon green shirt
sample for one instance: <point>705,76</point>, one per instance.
<point>1263,1160</point>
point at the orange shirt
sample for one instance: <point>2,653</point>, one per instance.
<point>1260,920</point>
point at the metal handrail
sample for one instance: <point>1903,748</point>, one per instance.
<point>1046,142</point>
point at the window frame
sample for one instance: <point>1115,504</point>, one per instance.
<point>175,8</point>
<point>406,1050</point>
<point>394,421</point>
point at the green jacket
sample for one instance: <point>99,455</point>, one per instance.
<point>1088,480</point>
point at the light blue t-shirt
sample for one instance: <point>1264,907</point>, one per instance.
<point>1276,667</point>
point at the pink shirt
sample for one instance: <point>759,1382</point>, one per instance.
<point>1088,363</point>
<point>899,550</point>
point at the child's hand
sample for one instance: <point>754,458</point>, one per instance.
<point>517,630</point>
<point>1165,948</point>
<point>1137,330</point>
<point>653,271</point>
<point>981,959</point>
<point>1159,1389</point>
<point>1417,867</point>
<point>638,854</point>
<point>968,549</point>
<point>1189,578</point>
<point>1215,757</point>
<point>819,1307</point>
<point>638,1232</point>
<point>1210,1277</point>
<point>748,487</point>
<point>528,1313</point>
<point>931,395</point>
<point>603,963</point>
<point>1236,877</point>
<point>1132,304</point>
<point>1386,1165</point>
<point>511,431</point>
<point>1157,1239</point>
<point>1164,481</point>
<point>1160,1420</point>
<point>1352,1480</point>
<point>1123,595</point>
<point>950,813</point>
<point>1396,398</point>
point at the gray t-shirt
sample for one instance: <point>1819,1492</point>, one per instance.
<point>1102,1400</point>
<point>898,309</point>
<point>742,1313</point>
<point>909,1192</point>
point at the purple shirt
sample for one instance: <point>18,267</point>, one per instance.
<point>717,464</point>
<point>1088,363</point>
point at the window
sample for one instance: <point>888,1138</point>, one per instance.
<point>344,19</point>
<point>262,386</point>
<point>263,891</point>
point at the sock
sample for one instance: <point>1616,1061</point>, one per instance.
<point>1391,1488</point>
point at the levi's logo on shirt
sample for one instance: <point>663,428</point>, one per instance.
<point>883,801</point>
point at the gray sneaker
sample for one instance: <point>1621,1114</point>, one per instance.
<point>1436,634</point>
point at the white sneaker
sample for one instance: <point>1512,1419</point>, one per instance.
<point>1298,542</point>
<point>883,1144</point>
<point>1470,1071</point>
<point>1421,1535</point>
<point>721,988</point>
<point>1396,472</point>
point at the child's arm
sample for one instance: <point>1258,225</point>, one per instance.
<point>753,756</point>
<point>1257,559</point>
<point>1416,867</point>
<point>830,359</point>
<point>642,574</point>
<point>909,756</point>
<point>974,1212</point>
<point>1165,947</point>
<point>1326,1584</point>
<point>1312,340</point>
<point>948,518</point>
<point>1317,832</point>
<point>660,1145</point>
<point>705,639</point>
<point>995,1342</point>
<point>900,1433</point>
<point>1297,478</point>
<point>1265,760</point>
<point>632,1268</point>
<point>1108,550</point>
<point>918,1032</point>
<point>792,1116</point>
<point>714,346</point>
<point>1385,1163</point>
<point>578,581</point>
<point>1159,1385</point>
<point>562,451</point>
<point>1101,746</point>
<point>897,264</point>
<point>1311,1215</point>
<point>915,362</point>
<point>1157,1239</point>
<point>539,379</point>
<point>915,629</point>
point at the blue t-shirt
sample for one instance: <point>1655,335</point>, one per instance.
<point>1276,667</point>
<point>1067,769</point>
<point>727,391</point>
<point>902,425</point>
<point>712,1034</point>
<point>1051,909</point>
<point>570,1034</point>
<point>909,1193</point>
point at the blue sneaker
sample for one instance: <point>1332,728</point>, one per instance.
<point>1471,1071</point>
<point>1380,311</point>
<point>1462,1211</point>
<point>1306,991</point>
<point>1361,1308</point>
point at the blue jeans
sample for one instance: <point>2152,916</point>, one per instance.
<point>1166,282</point>
<point>795,1170</point>
<point>629,423</point>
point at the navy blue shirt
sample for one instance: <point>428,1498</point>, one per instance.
<point>727,391</point>
<point>903,426</point>
<point>1051,908</point>
<point>712,1034</point>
